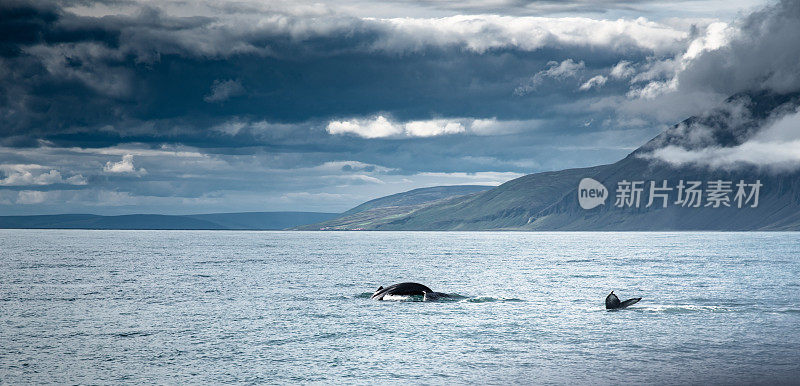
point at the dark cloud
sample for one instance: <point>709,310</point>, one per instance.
<point>762,55</point>
<point>67,73</point>
<point>231,109</point>
<point>755,76</point>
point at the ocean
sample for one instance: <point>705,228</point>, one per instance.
<point>82,306</point>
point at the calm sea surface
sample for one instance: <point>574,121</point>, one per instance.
<point>293,307</point>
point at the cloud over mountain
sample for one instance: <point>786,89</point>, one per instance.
<point>754,60</point>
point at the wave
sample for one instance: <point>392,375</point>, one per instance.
<point>678,308</point>
<point>787,311</point>
<point>451,298</point>
<point>488,299</point>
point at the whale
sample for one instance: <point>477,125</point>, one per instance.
<point>405,290</point>
<point>613,303</point>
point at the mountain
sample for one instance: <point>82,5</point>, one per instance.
<point>506,206</point>
<point>549,201</point>
<point>215,221</point>
<point>418,196</point>
<point>380,211</point>
<point>263,220</point>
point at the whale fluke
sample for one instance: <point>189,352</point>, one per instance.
<point>613,303</point>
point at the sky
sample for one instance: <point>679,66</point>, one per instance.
<point>132,106</point>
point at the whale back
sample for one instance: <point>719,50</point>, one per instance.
<point>401,289</point>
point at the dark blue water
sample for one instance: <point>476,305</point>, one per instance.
<point>293,307</point>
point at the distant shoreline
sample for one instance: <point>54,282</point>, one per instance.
<point>210,221</point>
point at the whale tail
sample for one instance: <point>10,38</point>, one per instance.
<point>629,302</point>
<point>613,303</point>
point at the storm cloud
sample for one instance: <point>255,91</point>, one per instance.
<point>250,106</point>
<point>757,63</point>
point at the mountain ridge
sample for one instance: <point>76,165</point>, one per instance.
<point>549,200</point>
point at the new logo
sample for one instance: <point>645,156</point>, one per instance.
<point>591,193</point>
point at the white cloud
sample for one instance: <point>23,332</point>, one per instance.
<point>237,29</point>
<point>622,70</point>
<point>565,69</point>
<point>717,35</point>
<point>433,127</point>
<point>18,178</point>
<point>77,179</point>
<point>555,70</point>
<point>663,76</point>
<point>23,175</point>
<point>52,177</point>
<point>382,127</point>
<point>335,167</point>
<point>480,33</point>
<point>377,127</point>
<point>595,81</point>
<point>776,146</point>
<point>180,151</point>
<point>772,154</point>
<point>658,77</point>
<point>654,89</point>
<point>124,166</point>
